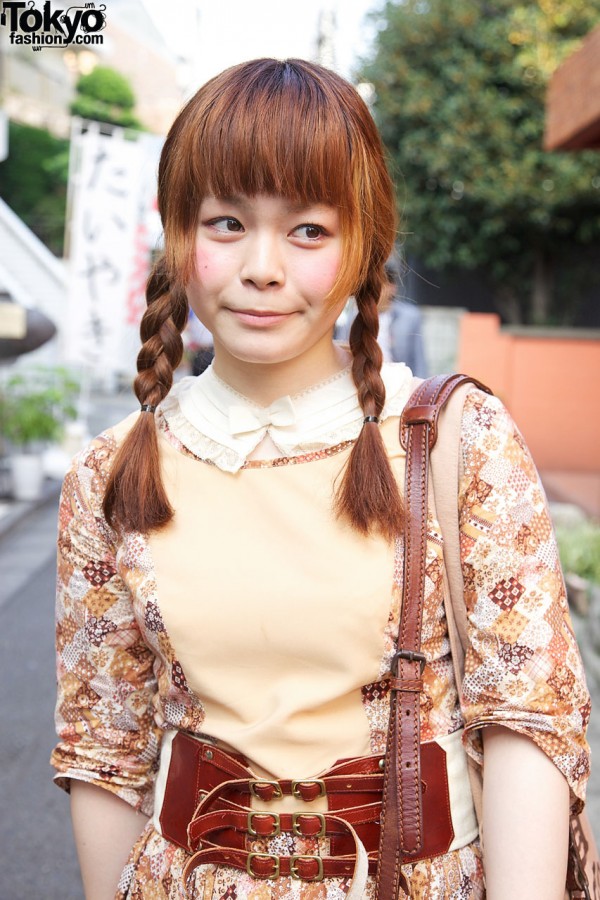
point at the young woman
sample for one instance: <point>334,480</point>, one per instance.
<point>230,557</point>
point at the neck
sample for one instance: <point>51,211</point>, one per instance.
<point>262,383</point>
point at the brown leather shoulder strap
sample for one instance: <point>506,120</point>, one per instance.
<point>402,820</point>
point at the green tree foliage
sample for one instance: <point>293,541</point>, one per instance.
<point>459,96</point>
<point>33,181</point>
<point>105,96</point>
<point>34,177</point>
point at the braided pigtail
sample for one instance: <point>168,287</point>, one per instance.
<point>135,498</point>
<point>368,495</point>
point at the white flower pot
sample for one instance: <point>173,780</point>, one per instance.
<point>27,476</point>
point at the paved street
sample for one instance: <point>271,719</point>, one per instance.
<point>37,857</point>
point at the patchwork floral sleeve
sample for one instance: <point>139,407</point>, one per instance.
<point>105,669</point>
<point>523,669</point>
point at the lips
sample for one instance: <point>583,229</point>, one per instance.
<point>260,318</point>
<point>260,312</point>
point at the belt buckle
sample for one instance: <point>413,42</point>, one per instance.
<point>294,868</point>
<point>297,827</point>
<point>273,876</point>
<point>308,781</point>
<point>256,783</point>
<point>253,813</point>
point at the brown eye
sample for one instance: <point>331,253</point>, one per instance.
<point>227,225</point>
<point>310,232</point>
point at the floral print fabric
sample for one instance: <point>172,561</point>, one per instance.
<point>120,682</point>
<point>523,667</point>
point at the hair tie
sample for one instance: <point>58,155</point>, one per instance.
<point>371,419</point>
<point>147,407</point>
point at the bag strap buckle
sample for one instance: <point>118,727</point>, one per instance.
<point>411,656</point>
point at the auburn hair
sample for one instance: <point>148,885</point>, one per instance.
<point>287,128</point>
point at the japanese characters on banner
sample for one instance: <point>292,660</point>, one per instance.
<point>113,231</point>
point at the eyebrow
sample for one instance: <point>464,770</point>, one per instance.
<point>243,201</point>
<point>230,198</point>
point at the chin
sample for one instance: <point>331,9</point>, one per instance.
<point>263,359</point>
<point>262,355</point>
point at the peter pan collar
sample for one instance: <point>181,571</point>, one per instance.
<point>218,424</point>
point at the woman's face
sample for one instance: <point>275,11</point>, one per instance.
<point>264,266</point>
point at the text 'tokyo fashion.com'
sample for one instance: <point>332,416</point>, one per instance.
<point>29,25</point>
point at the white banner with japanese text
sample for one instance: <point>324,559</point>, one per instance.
<point>112,234</point>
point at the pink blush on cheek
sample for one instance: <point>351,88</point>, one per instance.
<point>213,268</point>
<point>203,263</point>
<point>321,279</point>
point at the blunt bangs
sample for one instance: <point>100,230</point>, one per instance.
<point>290,129</point>
<point>278,135</point>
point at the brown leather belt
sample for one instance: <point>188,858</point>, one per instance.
<point>207,811</point>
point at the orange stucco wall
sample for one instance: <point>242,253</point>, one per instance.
<point>549,381</point>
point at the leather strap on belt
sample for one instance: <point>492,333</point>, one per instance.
<point>210,833</point>
<point>402,833</point>
<point>206,809</point>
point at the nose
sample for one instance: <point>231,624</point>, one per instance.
<point>263,265</point>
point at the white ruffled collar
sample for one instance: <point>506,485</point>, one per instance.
<point>218,424</point>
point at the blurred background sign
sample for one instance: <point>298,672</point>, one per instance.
<point>13,320</point>
<point>112,199</point>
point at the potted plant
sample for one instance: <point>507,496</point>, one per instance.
<point>34,405</point>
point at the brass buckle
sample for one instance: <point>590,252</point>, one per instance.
<point>298,793</point>
<point>294,869</point>
<point>253,784</point>
<point>253,874</point>
<point>297,827</point>
<point>276,823</point>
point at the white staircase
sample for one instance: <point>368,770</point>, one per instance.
<point>33,276</point>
